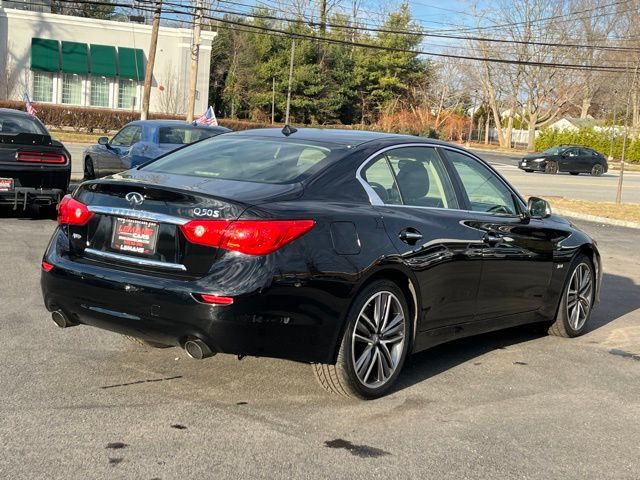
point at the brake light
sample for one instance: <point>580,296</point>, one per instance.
<point>215,299</point>
<point>41,157</point>
<point>251,237</point>
<point>73,212</point>
<point>46,266</point>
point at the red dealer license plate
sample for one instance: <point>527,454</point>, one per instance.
<point>134,236</point>
<point>6,184</point>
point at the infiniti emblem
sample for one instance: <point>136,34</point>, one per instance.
<point>134,198</point>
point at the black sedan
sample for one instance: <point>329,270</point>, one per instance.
<point>574,159</point>
<point>34,168</point>
<point>347,250</point>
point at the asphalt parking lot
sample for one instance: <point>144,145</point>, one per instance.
<point>82,403</point>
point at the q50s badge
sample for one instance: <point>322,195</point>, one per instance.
<point>206,212</point>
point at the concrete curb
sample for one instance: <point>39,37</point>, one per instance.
<point>594,218</point>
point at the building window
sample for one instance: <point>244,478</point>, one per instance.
<point>72,89</point>
<point>99,92</point>
<point>42,87</point>
<point>127,93</point>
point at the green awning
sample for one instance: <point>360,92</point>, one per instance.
<point>45,55</point>
<point>103,60</point>
<point>131,63</point>
<point>74,58</point>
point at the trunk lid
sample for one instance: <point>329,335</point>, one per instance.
<point>137,217</point>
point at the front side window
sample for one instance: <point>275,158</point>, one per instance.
<point>127,136</point>
<point>99,92</point>
<point>42,87</point>
<point>127,93</point>
<point>250,158</point>
<point>484,190</point>
<point>71,89</point>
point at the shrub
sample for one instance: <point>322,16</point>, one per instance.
<point>104,119</point>
<point>599,140</point>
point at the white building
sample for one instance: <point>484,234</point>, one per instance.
<point>87,62</point>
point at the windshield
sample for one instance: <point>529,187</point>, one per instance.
<point>253,159</point>
<point>184,135</point>
<point>554,150</point>
<point>12,124</point>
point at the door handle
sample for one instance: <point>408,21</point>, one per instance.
<point>410,236</point>
<point>492,239</point>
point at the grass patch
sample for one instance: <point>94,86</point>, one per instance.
<point>76,137</point>
<point>625,211</point>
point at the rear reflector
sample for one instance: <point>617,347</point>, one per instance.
<point>46,266</point>
<point>251,237</point>
<point>73,212</point>
<point>37,157</point>
<point>214,299</point>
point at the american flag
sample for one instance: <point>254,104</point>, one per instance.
<point>208,117</point>
<point>31,110</point>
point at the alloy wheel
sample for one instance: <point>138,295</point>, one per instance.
<point>378,339</point>
<point>596,170</point>
<point>551,167</point>
<point>579,296</point>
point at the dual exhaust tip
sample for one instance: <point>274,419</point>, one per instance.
<point>195,348</point>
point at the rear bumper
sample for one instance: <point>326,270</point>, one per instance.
<point>279,321</point>
<point>21,197</point>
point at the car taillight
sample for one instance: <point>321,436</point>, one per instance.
<point>214,299</point>
<point>73,212</point>
<point>46,266</point>
<point>251,237</point>
<point>37,157</point>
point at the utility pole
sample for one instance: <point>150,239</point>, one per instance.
<point>148,73</point>
<point>293,49</point>
<point>195,53</point>
<point>613,127</point>
<point>273,100</point>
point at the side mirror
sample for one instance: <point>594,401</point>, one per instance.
<point>538,207</point>
<point>103,140</point>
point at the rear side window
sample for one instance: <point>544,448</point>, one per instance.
<point>13,124</point>
<point>252,159</point>
<point>183,135</point>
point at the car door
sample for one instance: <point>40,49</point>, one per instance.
<point>418,208</point>
<point>118,148</point>
<point>570,160</point>
<point>517,253</point>
<point>587,159</point>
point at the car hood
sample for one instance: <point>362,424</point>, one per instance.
<point>533,156</point>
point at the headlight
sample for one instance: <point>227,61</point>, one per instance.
<point>538,160</point>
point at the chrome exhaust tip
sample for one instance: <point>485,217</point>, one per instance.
<point>61,319</point>
<point>198,349</point>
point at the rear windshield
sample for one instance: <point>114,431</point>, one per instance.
<point>252,159</point>
<point>12,124</point>
<point>184,135</point>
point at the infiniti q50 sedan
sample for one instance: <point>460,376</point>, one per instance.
<point>346,250</point>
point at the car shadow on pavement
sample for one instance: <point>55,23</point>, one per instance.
<point>30,213</point>
<point>619,296</point>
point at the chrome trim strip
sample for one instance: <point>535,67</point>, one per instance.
<point>138,214</point>
<point>374,199</point>
<point>136,261</point>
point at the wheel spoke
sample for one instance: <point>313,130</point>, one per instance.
<point>374,357</point>
<point>387,312</point>
<point>392,340</point>
<point>362,339</point>
<point>386,354</point>
<point>377,311</point>
<point>393,325</point>
<point>367,324</point>
<point>362,362</point>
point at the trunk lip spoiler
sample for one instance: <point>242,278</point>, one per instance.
<point>138,214</point>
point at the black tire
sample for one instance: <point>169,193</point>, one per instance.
<point>574,173</point>
<point>89,172</point>
<point>342,378</point>
<point>597,170</point>
<point>562,326</point>
<point>528,170</point>
<point>145,343</point>
<point>551,167</point>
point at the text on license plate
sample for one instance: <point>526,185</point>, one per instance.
<point>134,236</point>
<point>6,184</point>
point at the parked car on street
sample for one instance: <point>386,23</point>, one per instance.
<point>140,142</point>
<point>34,168</point>
<point>348,250</point>
<point>574,159</point>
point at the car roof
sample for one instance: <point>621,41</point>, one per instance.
<point>12,111</point>
<point>336,136</point>
<point>166,123</point>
